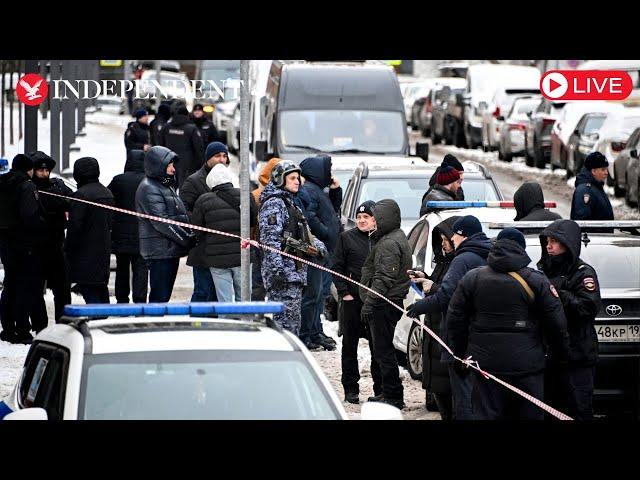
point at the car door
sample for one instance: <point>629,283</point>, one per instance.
<point>587,136</point>
<point>44,379</point>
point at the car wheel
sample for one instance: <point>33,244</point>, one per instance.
<point>507,157</point>
<point>414,351</point>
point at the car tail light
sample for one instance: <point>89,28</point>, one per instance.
<point>496,112</point>
<point>618,146</point>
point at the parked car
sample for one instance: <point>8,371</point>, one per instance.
<point>631,174</point>
<point>512,138</point>
<point>494,116</point>
<point>566,123</point>
<point>582,140</point>
<point>483,80</point>
<point>441,94</point>
<point>453,69</point>
<point>454,119</point>
<point>538,132</point>
<point>414,98</point>
<point>422,107</point>
<point>612,139</point>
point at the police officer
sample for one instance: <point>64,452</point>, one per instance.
<point>160,120</point>
<point>577,285</point>
<point>181,136</point>
<point>590,201</point>
<point>278,219</point>
<point>497,316</point>
<point>137,137</point>
<point>207,129</point>
<point>55,269</point>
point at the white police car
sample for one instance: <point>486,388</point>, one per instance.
<point>173,361</point>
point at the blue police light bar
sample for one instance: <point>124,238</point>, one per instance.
<point>480,204</point>
<point>162,309</point>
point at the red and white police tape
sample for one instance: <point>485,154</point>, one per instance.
<point>245,243</point>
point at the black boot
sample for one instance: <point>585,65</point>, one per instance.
<point>376,398</point>
<point>351,397</point>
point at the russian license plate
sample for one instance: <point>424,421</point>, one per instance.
<point>618,333</point>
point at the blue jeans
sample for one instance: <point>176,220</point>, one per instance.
<point>461,388</point>
<point>227,282</point>
<point>162,276</point>
<point>312,306</point>
<point>203,287</point>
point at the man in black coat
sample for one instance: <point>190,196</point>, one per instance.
<point>220,210</point>
<point>351,251</point>
<point>55,265</point>
<point>590,201</point>
<point>88,243</point>
<point>451,161</point>
<point>181,136</point>
<point>577,285</point>
<point>498,315</point>
<point>193,188</point>
<point>124,234</point>
<point>22,231</point>
<point>321,210</point>
<point>385,272</point>
<point>207,129</point>
<point>160,120</point>
<point>529,203</point>
<point>446,188</point>
<point>137,137</point>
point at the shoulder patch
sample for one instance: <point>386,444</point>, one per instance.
<point>554,292</point>
<point>272,220</point>
<point>589,284</point>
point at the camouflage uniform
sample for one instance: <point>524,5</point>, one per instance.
<point>273,220</point>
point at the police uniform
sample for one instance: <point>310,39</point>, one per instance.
<point>590,201</point>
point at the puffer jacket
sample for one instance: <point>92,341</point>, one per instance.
<point>385,268</point>
<point>529,203</point>
<point>578,287</point>
<point>161,240</point>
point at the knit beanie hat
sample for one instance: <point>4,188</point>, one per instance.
<point>447,175</point>
<point>595,160</point>
<point>513,234</point>
<point>452,162</point>
<point>467,226</point>
<point>215,147</point>
<point>22,163</point>
<point>366,207</point>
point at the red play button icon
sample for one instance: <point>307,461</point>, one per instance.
<point>553,84</point>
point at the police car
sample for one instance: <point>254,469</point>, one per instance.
<point>408,335</point>
<point>174,361</point>
<point>616,259</point>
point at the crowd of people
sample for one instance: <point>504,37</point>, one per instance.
<point>534,328</point>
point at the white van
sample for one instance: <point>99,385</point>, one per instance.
<point>483,80</point>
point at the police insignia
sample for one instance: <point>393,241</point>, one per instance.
<point>554,292</point>
<point>586,197</point>
<point>271,219</point>
<point>589,283</point>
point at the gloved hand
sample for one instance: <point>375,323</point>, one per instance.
<point>366,314</point>
<point>417,309</point>
<point>461,369</point>
<point>192,241</point>
<point>278,281</point>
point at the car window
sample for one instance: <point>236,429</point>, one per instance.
<point>592,124</point>
<point>476,190</point>
<point>201,385</point>
<point>407,192</point>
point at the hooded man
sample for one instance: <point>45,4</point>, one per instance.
<point>385,272</point>
<point>498,316</point>
<point>471,251</point>
<point>321,210</point>
<point>125,243</point>
<point>181,136</point>
<point>192,189</point>
<point>207,129</point>
<point>579,290</point>
<point>55,265</point>
<point>137,135</point>
<point>220,210</point>
<point>88,243</point>
<point>161,244</point>
<point>590,201</point>
<point>280,218</point>
<point>156,125</point>
<point>446,188</point>
<point>529,203</point>
<point>22,230</point>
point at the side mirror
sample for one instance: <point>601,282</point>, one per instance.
<point>379,411</point>
<point>422,150</point>
<point>634,153</point>
<point>261,150</point>
<point>35,413</point>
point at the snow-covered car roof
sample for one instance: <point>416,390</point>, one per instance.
<point>573,112</point>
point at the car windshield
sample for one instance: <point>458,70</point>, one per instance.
<point>408,192</point>
<point>203,385</point>
<point>339,130</point>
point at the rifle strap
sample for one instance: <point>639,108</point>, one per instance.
<point>524,285</point>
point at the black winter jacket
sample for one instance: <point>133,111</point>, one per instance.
<point>385,268</point>
<point>439,193</point>
<point>220,210</point>
<point>137,136</point>
<point>182,136</point>
<point>492,319</point>
<point>124,233</point>
<point>193,188</point>
<point>88,243</point>
<point>351,251</point>
<point>158,123</point>
<point>23,222</point>
<point>529,203</point>
<point>590,201</point>
<point>320,209</point>
<point>55,209</point>
<point>161,240</point>
<point>207,129</point>
<point>578,287</point>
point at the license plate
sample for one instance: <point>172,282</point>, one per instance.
<point>618,333</point>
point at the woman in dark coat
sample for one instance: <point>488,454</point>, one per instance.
<point>435,375</point>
